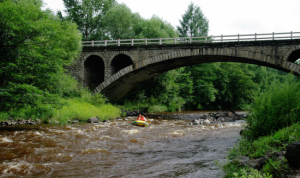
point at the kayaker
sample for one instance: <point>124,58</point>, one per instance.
<point>141,117</point>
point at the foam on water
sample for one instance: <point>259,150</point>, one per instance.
<point>12,167</point>
<point>94,150</point>
<point>79,131</point>
<point>133,131</point>
<point>5,140</point>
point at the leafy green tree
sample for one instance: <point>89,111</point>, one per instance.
<point>193,23</point>
<point>35,45</point>
<point>203,77</point>
<point>157,27</point>
<point>119,21</point>
<point>172,88</point>
<point>88,15</point>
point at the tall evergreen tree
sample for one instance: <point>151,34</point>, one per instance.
<point>193,22</point>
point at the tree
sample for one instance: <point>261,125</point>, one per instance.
<point>34,46</point>
<point>88,15</point>
<point>157,27</point>
<point>119,21</point>
<point>193,22</point>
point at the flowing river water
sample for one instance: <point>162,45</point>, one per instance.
<point>170,147</point>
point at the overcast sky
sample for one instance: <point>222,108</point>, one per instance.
<point>227,17</point>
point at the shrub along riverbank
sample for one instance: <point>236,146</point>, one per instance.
<point>273,124</point>
<point>79,108</point>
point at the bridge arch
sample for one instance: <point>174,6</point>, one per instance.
<point>294,55</point>
<point>120,62</point>
<point>94,71</point>
<point>133,75</point>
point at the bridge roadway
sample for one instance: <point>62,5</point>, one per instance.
<point>115,70</point>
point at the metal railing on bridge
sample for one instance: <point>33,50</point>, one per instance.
<point>202,39</point>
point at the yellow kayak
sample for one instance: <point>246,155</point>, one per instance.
<point>140,123</point>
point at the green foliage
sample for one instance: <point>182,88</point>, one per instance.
<point>276,167</point>
<point>78,109</point>
<point>193,22</point>
<point>35,45</point>
<point>88,15</point>
<point>275,108</point>
<point>155,28</point>
<point>250,173</point>
<point>172,89</point>
<point>63,85</point>
<point>235,170</point>
<point>119,21</point>
<point>221,86</point>
<point>157,109</point>
<point>273,143</point>
<point>95,99</point>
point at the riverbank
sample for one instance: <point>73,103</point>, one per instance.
<point>73,110</point>
<point>269,156</point>
<point>270,144</point>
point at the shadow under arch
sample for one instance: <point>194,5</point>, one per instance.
<point>294,56</point>
<point>94,70</point>
<point>120,62</point>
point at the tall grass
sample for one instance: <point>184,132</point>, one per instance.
<point>82,106</point>
<point>274,109</point>
<point>82,111</point>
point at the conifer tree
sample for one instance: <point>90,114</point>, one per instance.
<point>193,22</point>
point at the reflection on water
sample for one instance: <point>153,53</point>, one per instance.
<point>168,148</point>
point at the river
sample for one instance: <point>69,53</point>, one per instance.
<point>170,147</point>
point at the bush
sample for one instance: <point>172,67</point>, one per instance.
<point>157,108</point>
<point>235,170</point>
<point>175,104</point>
<point>276,108</point>
<point>273,143</point>
<point>276,167</point>
<point>82,111</point>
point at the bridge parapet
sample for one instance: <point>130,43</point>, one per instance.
<point>202,39</point>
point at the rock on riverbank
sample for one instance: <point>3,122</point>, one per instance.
<point>218,117</point>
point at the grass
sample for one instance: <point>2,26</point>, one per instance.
<point>80,108</point>
<point>157,108</point>
<point>82,111</point>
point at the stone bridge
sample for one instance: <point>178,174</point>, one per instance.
<point>115,70</point>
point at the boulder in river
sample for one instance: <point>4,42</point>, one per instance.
<point>206,121</point>
<point>21,121</point>
<point>231,114</point>
<point>93,120</point>
<point>7,123</point>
